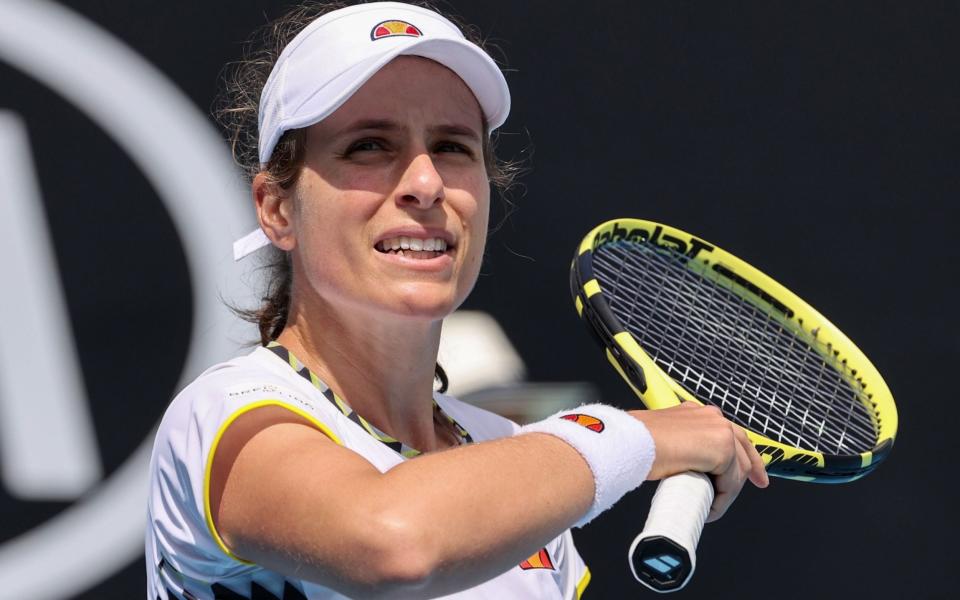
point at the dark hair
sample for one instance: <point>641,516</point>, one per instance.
<point>237,111</point>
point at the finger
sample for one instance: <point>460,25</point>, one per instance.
<point>721,502</point>
<point>719,506</point>
<point>756,471</point>
<point>724,485</point>
<point>744,461</point>
<point>729,483</point>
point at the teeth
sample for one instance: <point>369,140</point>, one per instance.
<point>415,244</point>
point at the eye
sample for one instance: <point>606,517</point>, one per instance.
<point>366,145</point>
<point>454,147</point>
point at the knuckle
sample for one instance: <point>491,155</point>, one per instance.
<point>729,440</point>
<point>713,410</point>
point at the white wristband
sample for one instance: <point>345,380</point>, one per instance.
<point>617,447</point>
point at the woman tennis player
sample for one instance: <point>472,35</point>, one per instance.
<point>324,464</point>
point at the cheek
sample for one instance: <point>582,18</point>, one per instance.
<point>481,223</point>
<point>329,227</point>
<point>477,223</point>
<point>476,190</point>
<point>325,211</point>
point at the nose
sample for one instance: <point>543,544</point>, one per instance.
<point>421,184</point>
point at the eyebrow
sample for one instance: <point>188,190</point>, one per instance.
<point>388,125</point>
<point>381,124</point>
<point>458,130</point>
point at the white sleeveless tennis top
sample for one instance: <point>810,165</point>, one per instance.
<point>185,557</point>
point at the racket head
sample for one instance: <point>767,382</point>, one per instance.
<point>612,303</point>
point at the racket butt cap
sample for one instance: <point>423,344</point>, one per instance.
<point>660,563</point>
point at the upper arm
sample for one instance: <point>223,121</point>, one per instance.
<point>285,495</point>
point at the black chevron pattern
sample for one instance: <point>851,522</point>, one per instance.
<point>257,592</point>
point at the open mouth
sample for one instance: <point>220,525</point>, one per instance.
<point>410,247</point>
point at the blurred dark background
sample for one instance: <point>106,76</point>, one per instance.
<point>817,140</point>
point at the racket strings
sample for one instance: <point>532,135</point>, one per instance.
<point>764,368</point>
<point>727,352</point>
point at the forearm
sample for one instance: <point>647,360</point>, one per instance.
<point>480,509</point>
<point>300,504</point>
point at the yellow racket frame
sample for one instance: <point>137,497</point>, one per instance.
<point>659,390</point>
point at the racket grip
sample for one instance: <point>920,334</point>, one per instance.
<point>664,555</point>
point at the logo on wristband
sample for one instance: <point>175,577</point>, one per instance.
<point>592,423</point>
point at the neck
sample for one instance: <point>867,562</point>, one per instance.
<point>382,367</point>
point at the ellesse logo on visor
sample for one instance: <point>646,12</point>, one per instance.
<point>394,28</point>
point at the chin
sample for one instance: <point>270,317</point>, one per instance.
<point>419,303</point>
<point>424,311</point>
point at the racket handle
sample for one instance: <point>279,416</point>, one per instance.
<point>664,555</point>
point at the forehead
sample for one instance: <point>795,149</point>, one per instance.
<point>411,88</point>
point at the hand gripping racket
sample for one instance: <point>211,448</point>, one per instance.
<point>681,319</point>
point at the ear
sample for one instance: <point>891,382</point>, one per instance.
<point>274,211</point>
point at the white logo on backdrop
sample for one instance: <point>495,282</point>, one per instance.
<point>180,154</point>
<point>48,450</point>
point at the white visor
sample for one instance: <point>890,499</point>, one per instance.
<point>327,62</point>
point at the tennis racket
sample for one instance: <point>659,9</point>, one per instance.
<point>680,319</point>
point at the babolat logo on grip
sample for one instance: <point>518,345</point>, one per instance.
<point>591,423</point>
<point>690,247</point>
<point>387,29</point>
